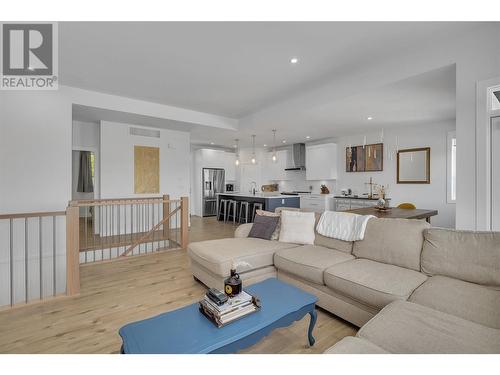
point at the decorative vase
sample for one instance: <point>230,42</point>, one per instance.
<point>232,285</point>
<point>381,203</point>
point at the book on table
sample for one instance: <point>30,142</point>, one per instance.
<point>234,309</point>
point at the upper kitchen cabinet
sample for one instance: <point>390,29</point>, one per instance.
<point>207,158</point>
<point>230,166</point>
<point>275,170</point>
<point>321,162</point>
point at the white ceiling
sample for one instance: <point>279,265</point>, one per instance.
<point>236,69</point>
<point>230,69</point>
<point>428,97</point>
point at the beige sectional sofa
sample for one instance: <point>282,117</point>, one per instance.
<point>411,288</point>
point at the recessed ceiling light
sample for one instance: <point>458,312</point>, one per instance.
<point>211,143</point>
<point>265,145</point>
<point>294,60</point>
<point>370,118</point>
<point>308,137</point>
<point>283,141</point>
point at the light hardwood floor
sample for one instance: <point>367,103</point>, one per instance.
<point>119,292</point>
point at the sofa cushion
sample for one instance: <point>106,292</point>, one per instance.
<point>465,255</point>
<point>263,227</point>
<point>331,243</point>
<point>406,327</point>
<point>243,230</point>
<point>308,262</point>
<point>354,345</point>
<point>393,241</point>
<point>276,234</point>
<point>297,227</point>
<point>219,255</point>
<point>372,283</point>
<point>473,302</point>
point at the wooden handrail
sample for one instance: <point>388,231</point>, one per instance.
<point>118,203</point>
<point>145,237</point>
<point>32,214</point>
<point>117,199</point>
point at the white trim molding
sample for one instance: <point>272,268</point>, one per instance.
<point>484,114</point>
<point>451,163</point>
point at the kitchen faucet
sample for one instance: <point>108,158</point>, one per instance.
<point>254,189</point>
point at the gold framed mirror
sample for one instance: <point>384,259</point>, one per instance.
<point>414,166</point>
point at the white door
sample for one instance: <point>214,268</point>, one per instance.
<point>495,173</point>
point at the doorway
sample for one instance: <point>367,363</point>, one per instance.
<point>83,177</point>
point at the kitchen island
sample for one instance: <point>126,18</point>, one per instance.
<point>269,201</point>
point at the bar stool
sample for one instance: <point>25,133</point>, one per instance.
<point>222,204</point>
<point>232,204</point>
<point>256,206</point>
<point>243,205</point>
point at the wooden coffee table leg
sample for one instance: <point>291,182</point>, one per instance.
<point>312,323</point>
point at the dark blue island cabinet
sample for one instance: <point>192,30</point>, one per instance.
<point>269,203</point>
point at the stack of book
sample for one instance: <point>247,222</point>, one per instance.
<point>234,309</point>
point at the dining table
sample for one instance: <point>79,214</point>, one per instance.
<point>397,213</point>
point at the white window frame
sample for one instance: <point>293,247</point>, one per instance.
<point>449,168</point>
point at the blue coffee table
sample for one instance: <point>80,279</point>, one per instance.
<point>186,330</point>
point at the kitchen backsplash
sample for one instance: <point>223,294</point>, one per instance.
<point>298,182</point>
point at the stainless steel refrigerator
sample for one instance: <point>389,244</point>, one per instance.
<point>213,182</point>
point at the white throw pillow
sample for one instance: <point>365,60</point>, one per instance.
<point>297,227</point>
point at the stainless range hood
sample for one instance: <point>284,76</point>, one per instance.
<point>298,158</point>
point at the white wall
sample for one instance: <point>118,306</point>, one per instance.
<point>35,151</point>
<point>431,196</point>
<point>117,161</point>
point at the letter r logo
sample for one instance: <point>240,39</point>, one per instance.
<point>27,49</point>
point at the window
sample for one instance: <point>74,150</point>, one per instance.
<point>452,167</point>
<point>495,99</point>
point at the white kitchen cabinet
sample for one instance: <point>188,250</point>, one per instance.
<point>317,202</point>
<point>343,204</point>
<point>230,166</point>
<point>275,171</point>
<point>321,162</point>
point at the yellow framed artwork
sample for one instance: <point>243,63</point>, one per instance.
<point>146,170</point>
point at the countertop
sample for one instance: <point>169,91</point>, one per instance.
<point>260,195</point>
<point>359,197</point>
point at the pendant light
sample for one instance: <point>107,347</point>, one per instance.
<point>237,161</point>
<point>253,150</point>
<point>275,158</point>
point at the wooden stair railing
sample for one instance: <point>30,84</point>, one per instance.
<point>114,228</point>
<point>150,233</point>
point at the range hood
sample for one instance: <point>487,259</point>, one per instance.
<point>298,158</point>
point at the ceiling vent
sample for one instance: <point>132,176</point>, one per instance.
<point>145,132</point>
